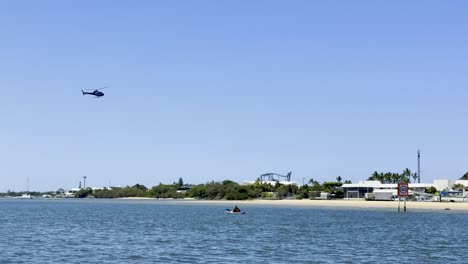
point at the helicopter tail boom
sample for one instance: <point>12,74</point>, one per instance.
<point>83,92</point>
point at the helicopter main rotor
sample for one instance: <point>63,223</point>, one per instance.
<point>105,87</point>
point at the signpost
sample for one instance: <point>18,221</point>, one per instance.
<point>403,191</point>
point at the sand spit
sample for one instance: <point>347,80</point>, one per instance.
<point>343,203</point>
<point>352,204</point>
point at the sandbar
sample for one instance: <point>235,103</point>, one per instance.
<point>357,204</point>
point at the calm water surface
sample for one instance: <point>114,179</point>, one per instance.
<point>123,231</point>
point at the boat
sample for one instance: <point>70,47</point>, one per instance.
<point>24,196</point>
<point>232,212</point>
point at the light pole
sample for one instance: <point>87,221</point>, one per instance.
<point>84,182</point>
<point>419,166</point>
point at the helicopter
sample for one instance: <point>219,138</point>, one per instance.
<point>97,92</point>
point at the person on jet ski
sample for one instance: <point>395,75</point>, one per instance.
<point>236,209</point>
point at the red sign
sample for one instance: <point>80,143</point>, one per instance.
<point>403,189</point>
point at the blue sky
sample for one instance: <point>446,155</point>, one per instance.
<point>214,90</point>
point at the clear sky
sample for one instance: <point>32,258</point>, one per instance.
<point>215,90</point>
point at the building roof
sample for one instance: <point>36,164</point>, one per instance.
<point>364,184</point>
<point>377,184</point>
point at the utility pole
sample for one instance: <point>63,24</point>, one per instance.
<point>84,182</point>
<point>419,166</point>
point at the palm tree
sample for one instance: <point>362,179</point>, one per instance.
<point>338,178</point>
<point>374,176</point>
<point>397,177</point>
<point>388,177</point>
<point>415,177</point>
<point>406,174</point>
<point>464,177</point>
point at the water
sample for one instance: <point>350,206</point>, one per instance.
<point>127,231</point>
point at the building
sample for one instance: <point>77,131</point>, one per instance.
<point>388,191</point>
<point>184,188</point>
<point>71,193</point>
<point>381,191</point>
<point>447,185</point>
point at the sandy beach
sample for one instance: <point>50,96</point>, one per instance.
<point>364,204</point>
<point>356,204</point>
<point>350,204</point>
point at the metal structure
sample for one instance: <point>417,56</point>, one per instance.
<point>84,182</point>
<point>419,168</point>
<point>274,176</point>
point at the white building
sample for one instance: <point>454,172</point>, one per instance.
<point>387,191</point>
<point>448,184</point>
<point>71,193</point>
<point>382,190</point>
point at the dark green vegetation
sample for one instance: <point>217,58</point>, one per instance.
<point>392,177</point>
<point>227,190</point>
<point>134,191</point>
<point>431,190</point>
<point>464,177</point>
<point>14,194</point>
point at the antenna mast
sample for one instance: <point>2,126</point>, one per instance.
<point>419,166</point>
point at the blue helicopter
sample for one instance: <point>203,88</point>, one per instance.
<point>97,92</point>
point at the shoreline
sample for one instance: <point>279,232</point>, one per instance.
<point>350,204</point>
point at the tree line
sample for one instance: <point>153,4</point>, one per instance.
<point>230,190</point>
<point>394,177</point>
<point>225,190</point>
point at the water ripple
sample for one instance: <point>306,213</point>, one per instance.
<point>116,231</point>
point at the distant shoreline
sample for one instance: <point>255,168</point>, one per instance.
<point>357,204</point>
